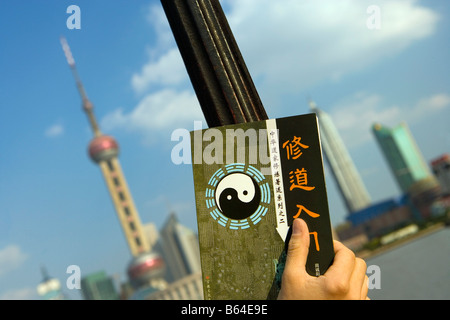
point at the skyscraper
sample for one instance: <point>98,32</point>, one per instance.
<point>347,178</point>
<point>180,249</point>
<point>402,154</point>
<point>98,286</point>
<point>146,268</point>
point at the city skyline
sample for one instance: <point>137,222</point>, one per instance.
<point>56,210</point>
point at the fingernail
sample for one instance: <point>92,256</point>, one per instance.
<point>296,228</point>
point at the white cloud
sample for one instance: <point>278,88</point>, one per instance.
<point>168,70</point>
<point>54,131</point>
<point>290,45</point>
<point>158,20</point>
<point>435,103</point>
<point>157,112</point>
<point>11,257</point>
<point>355,115</point>
<point>165,66</point>
<point>167,100</point>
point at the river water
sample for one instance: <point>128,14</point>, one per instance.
<point>419,269</point>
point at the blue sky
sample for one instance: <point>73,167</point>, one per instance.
<point>54,206</point>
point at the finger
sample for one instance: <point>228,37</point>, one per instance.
<point>365,289</point>
<point>343,264</point>
<point>359,284</point>
<point>298,248</point>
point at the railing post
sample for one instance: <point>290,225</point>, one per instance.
<point>218,73</point>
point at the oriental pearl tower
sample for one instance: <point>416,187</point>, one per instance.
<point>146,268</point>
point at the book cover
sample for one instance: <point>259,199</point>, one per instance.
<point>251,181</point>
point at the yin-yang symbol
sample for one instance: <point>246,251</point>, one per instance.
<point>237,196</point>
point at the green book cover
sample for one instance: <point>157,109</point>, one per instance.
<point>251,181</point>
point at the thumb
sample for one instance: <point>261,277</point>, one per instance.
<point>298,247</point>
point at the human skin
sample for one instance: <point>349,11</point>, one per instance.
<point>345,279</point>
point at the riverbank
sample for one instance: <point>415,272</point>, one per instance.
<point>368,254</point>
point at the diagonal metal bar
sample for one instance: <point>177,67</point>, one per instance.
<point>218,73</point>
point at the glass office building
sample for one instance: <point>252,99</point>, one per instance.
<point>402,154</point>
<point>98,286</point>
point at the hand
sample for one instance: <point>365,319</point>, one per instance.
<point>345,278</point>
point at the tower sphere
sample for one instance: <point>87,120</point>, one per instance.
<point>103,148</point>
<point>145,268</point>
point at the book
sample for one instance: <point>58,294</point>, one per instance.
<point>251,181</point>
